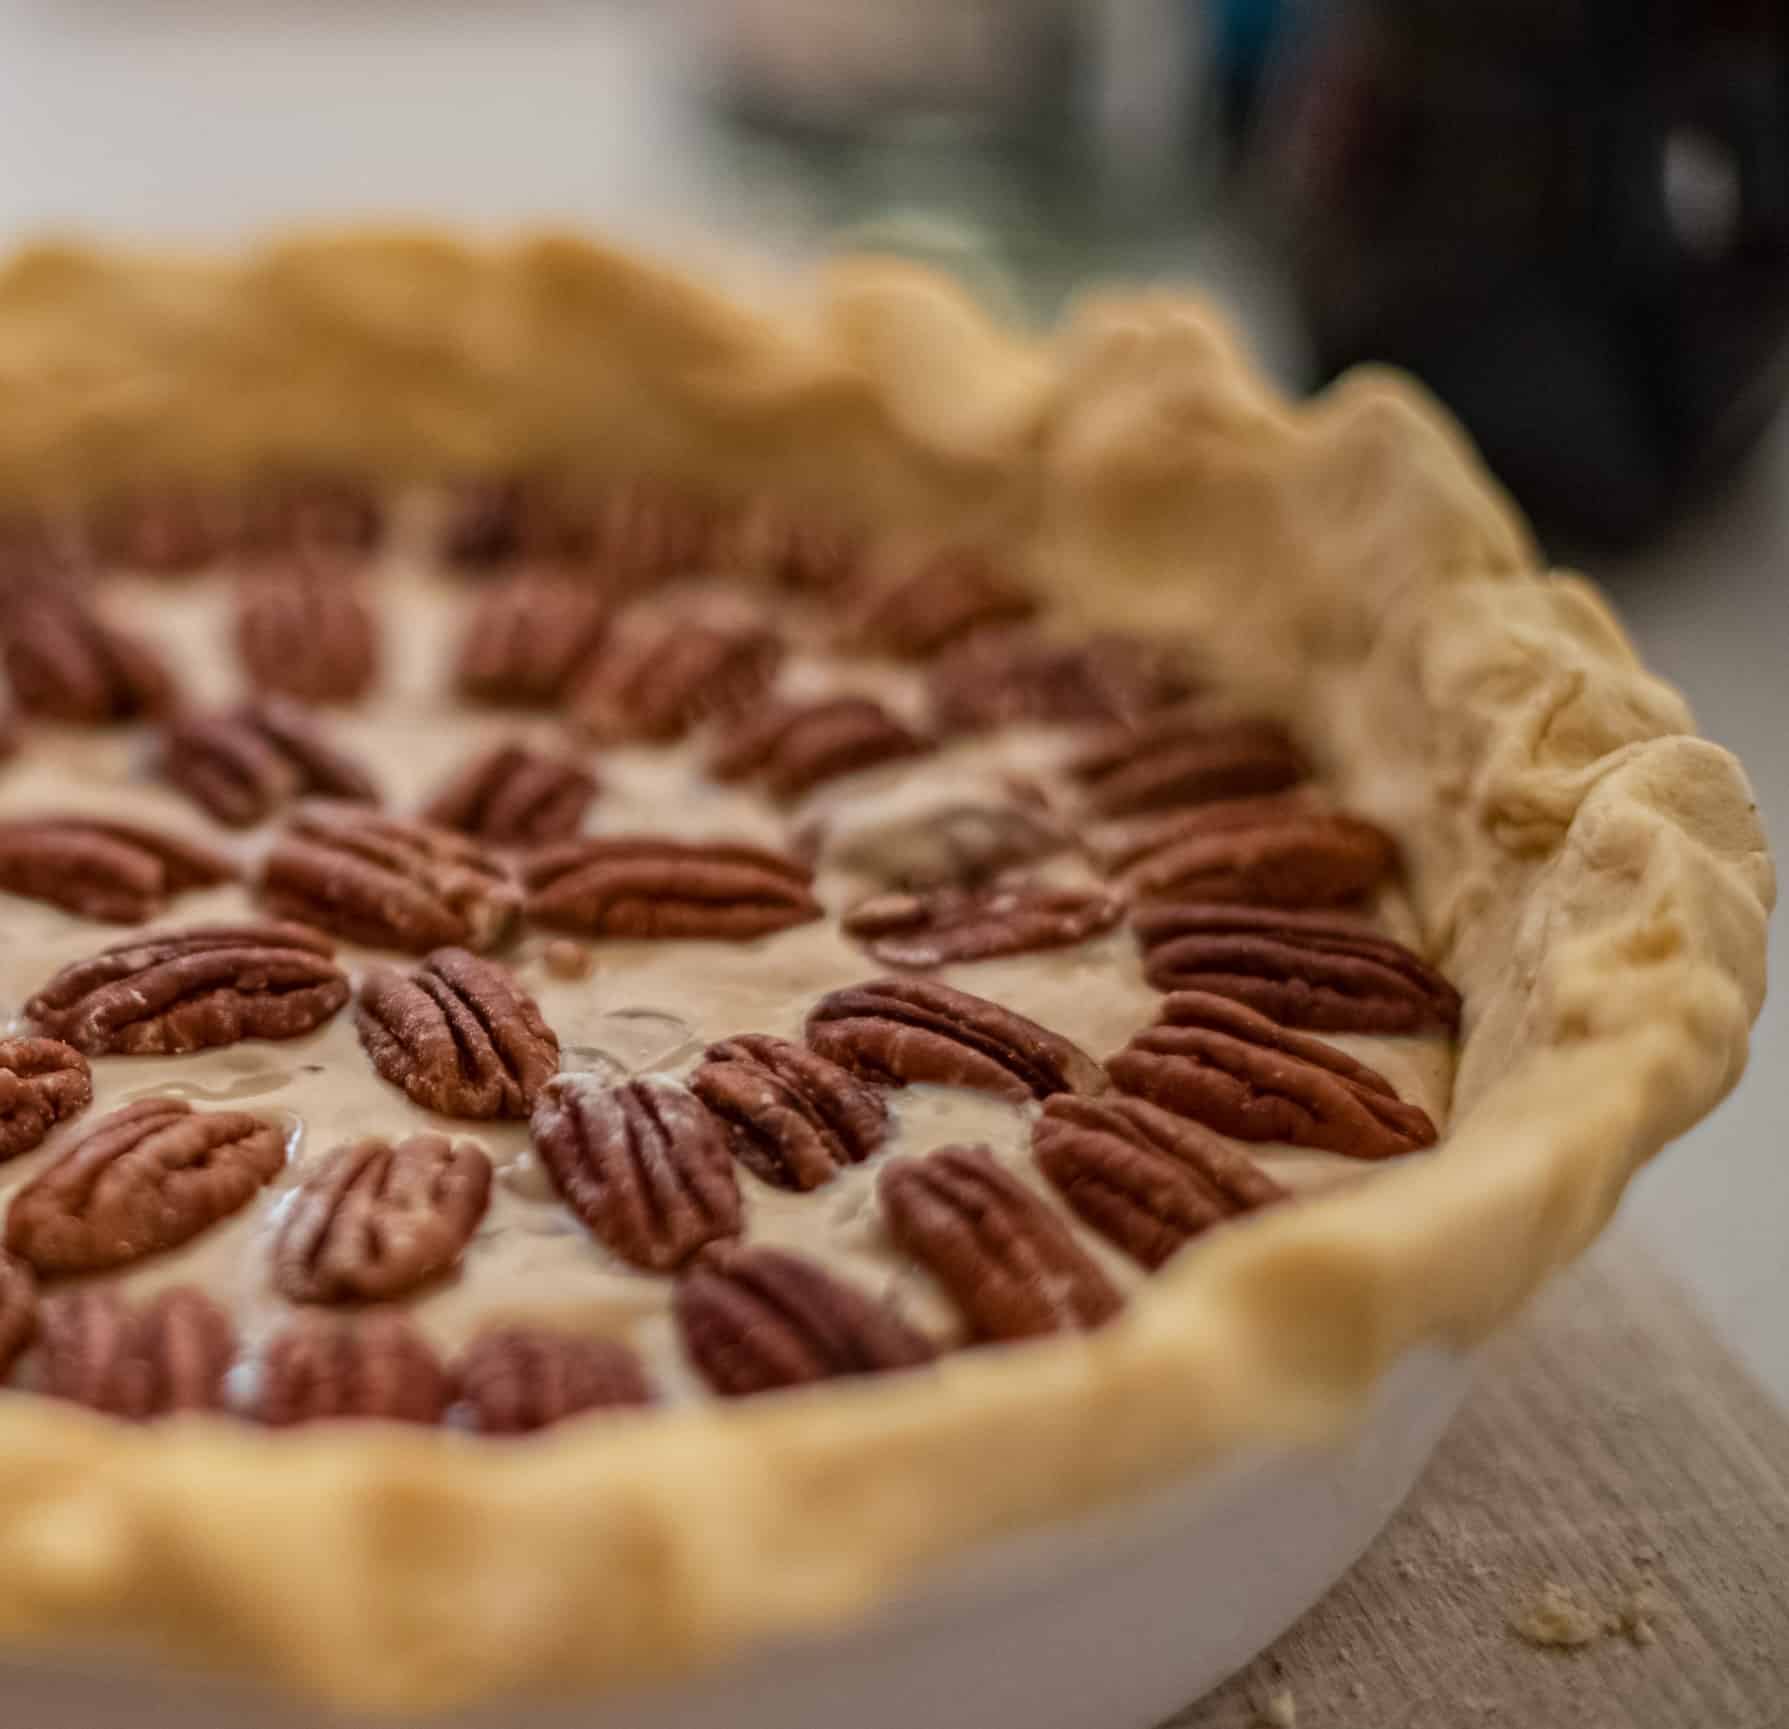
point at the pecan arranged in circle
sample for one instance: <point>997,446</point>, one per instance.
<point>144,1179</point>
<point>307,635</point>
<point>170,530</point>
<point>459,1035</point>
<point>375,1366</point>
<point>936,844</point>
<point>520,1379</point>
<point>513,796</point>
<point>1003,678</point>
<point>1008,1261</point>
<point>1302,969</point>
<point>494,522</point>
<point>168,992</point>
<point>900,1030</point>
<point>528,638</point>
<point>116,871</point>
<point>1240,1073</point>
<point>67,664</point>
<point>649,886</point>
<point>18,1310</point>
<point>645,1165</point>
<point>755,1319</point>
<point>951,924</point>
<point>790,747</point>
<point>241,764</point>
<point>920,607</point>
<point>1186,755</point>
<point>169,1356</point>
<point>1142,1177</point>
<point>42,1081</point>
<point>795,1118</point>
<point>1284,851</point>
<point>386,882</point>
<point>375,1220</point>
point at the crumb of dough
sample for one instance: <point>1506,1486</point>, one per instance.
<point>1637,1616</point>
<point>1279,1710</point>
<point>1556,1619</point>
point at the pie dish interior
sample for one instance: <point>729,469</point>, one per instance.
<point>1588,872</point>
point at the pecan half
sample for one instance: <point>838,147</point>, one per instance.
<point>1184,755</point>
<point>375,1366</point>
<point>1302,969</point>
<point>146,1178</point>
<point>791,747</point>
<point>1285,851</point>
<point>647,530</point>
<point>459,1035</point>
<point>800,549</point>
<point>513,796</point>
<point>169,529</point>
<point>1239,1073</point>
<point>650,886</point>
<point>1142,1177</point>
<point>103,870</point>
<point>521,1379</point>
<point>1008,1261</point>
<point>67,664</point>
<point>376,1219</point>
<point>755,1319</point>
<point>645,1165</point>
<point>168,992</point>
<point>307,636</point>
<point>952,924</point>
<point>899,1030</point>
<point>1001,678</point>
<point>240,765</point>
<point>330,513</point>
<point>42,1081</point>
<point>388,883</point>
<point>494,522</point>
<point>795,1118</point>
<point>921,607</point>
<point>18,1310</point>
<point>171,1355</point>
<point>528,638</point>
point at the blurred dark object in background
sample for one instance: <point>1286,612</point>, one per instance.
<point>1570,217</point>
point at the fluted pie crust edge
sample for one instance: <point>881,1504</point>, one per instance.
<point>1591,873</point>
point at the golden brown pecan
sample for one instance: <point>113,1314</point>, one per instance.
<point>1142,1177</point>
<point>386,882</point>
<point>513,796</point>
<point>951,924</point>
<point>307,635</point>
<point>1186,755</point>
<point>146,1178</point>
<point>375,1366</point>
<point>67,664</point>
<point>167,992</point>
<point>938,844</point>
<point>795,1118</point>
<point>755,1319</point>
<point>42,1081</point>
<point>1001,678</point>
<point>1303,969</point>
<point>898,1030</point>
<point>1240,1073</point>
<point>18,1310</point>
<point>520,1379</point>
<point>169,529</point>
<point>645,1166</point>
<point>169,1356</point>
<point>240,765</point>
<point>919,607</point>
<point>651,886</point>
<point>495,522</point>
<point>117,871</point>
<point>1282,851</point>
<point>528,638</point>
<point>790,747</point>
<point>328,513</point>
<point>376,1219</point>
<point>459,1035</point>
<point>1008,1261</point>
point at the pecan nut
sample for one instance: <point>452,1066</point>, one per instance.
<point>528,639</point>
<point>1240,1073</point>
<point>790,747</point>
<point>900,1030</point>
<point>650,886</point>
<point>307,635</point>
<point>1145,1179</point>
<point>1303,969</point>
<point>386,882</point>
<point>795,1118</point>
<point>18,1310</point>
<point>647,530</point>
<point>375,1366</point>
<point>146,1178</point>
<point>517,1380</point>
<point>42,1081</point>
<point>1009,1262</point>
<point>168,992</point>
<point>120,872</point>
<point>459,1035</point>
<point>170,530</point>
<point>242,764</point>
<point>315,513</point>
<point>495,522</point>
<point>755,1319</point>
<point>801,550</point>
<point>513,796</point>
<point>645,1165</point>
<point>169,1356</point>
<point>951,924</point>
<point>916,609</point>
<point>375,1220</point>
<point>67,664</point>
<point>1007,678</point>
<point>1185,755</point>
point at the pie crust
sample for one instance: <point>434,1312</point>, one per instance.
<point>1591,874</point>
